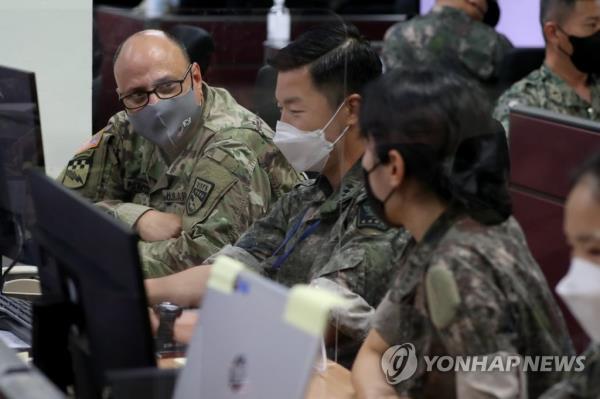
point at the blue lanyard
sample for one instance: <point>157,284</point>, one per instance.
<point>309,230</point>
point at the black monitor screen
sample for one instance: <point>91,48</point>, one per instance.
<point>20,148</point>
<point>20,134</point>
<point>90,264</point>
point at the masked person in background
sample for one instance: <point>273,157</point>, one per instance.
<point>322,232</point>
<point>437,163</point>
<point>567,82</point>
<point>580,288</point>
<point>185,165</point>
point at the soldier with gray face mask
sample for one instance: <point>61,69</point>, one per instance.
<point>184,164</point>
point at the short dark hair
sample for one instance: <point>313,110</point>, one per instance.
<point>169,36</point>
<point>590,169</point>
<point>441,124</point>
<point>427,105</point>
<point>340,60</point>
<point>555,10</point>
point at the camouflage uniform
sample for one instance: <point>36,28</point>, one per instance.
<point>580,385</point>
<point>334,241</point>
<point>449,36</point>
<point>471,289</point>
<point>228,176</point>
<point>543,89</point>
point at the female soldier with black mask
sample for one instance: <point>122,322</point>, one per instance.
<point>437,164</point>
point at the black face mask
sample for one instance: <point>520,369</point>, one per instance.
<point>377,205</point>
<point>586,52</point>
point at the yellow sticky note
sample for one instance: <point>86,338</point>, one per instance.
<point>224,273</point>
<point>308,308</point>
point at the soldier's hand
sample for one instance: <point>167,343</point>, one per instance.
<point>154,321</point>
<point>185,326</point>
<point>158,226</point>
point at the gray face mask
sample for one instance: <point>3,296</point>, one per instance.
<point>169,123</point>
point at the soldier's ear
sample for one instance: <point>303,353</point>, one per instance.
<point>196,74</point>
<point>551,33</point>
<point>397,167</point>
<point>353,103</point>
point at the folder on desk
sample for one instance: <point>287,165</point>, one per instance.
<point>255,338</point>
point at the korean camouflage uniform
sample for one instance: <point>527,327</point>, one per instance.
<point>331,240</point>
<point>580,384</point>
<point>228,176</point>
<point>470,289</point>
<point>543,89</point>
<point>449,36</point>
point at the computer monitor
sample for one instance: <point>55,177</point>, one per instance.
<point>93,315</point>
<point>545,149</point>
<point>20,148</point>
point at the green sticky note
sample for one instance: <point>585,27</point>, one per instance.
<point>224,273</point>
<point>308,308</point>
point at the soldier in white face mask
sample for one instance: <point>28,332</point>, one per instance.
<point>323,232</point>
<point>580,287</point>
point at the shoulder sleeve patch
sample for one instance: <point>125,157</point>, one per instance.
<point>368,219</point>
<point>77,172</point>
<point>198,195</point>
<point>443,297</point>
<point>207,189</point>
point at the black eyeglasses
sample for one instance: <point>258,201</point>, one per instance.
<point>164,91</point>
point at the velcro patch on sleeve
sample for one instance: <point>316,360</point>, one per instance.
<point>77,172</point>
<point>198,195</point>
<point>93,142</point>
<point>206,192</point>
<point>443,296</point>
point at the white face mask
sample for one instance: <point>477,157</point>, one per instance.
<point>305,151</point>
<point>580,289</point>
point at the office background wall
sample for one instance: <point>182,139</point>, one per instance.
<point>53,38</point>
<point>518,21</point>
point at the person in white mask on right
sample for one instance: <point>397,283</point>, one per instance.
<point>580,287</point>
<point>323,232</point>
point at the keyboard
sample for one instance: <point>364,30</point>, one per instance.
<point>16,316</point>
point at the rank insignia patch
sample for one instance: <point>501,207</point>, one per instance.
<point>197,230</point>
<point>367,218</point>
<point>198,195</point>
<point>77,172</point>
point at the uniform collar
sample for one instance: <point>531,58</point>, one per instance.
<point>561,92</point>
<point>416,261</point>
<point>451,12</point>
<point>440,227</point>
<point>351,185</point>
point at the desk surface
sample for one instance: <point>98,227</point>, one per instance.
<point>333,383</point>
